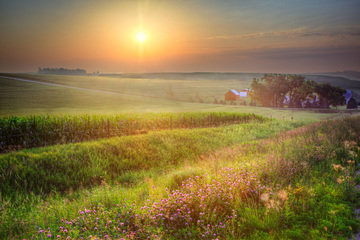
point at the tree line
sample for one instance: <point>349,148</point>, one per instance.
<point>276,90</point>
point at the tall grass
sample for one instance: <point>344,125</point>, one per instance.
<point>297,185</point>
<point>37,131</point>
<point>119,159</point>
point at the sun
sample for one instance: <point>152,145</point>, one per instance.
<point>140,36</point>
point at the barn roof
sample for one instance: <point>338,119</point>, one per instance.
<point>235,92</point>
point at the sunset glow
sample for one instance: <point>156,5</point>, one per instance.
<point>140,36</point>
<point>204,35</point>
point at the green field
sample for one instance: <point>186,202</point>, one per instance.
<point>144,95</point>
<point>270,180</point>
<point>196,171</point>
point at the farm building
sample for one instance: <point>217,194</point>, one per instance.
<point>232,95</point>
<point>245,92</point>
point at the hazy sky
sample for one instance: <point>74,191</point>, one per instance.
<point>182,35</point>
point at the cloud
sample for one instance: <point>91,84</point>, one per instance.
<point>282,60</point>
<point>294,33</point>
<point>294,52</point>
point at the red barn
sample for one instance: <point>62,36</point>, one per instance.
<point>232,95</point>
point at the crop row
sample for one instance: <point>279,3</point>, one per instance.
<point>37,131</point>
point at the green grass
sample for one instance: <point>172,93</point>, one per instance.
<point>23,99</point>
<point>306,174</point>
<point>62,167</point>
<point>180,90</point>
<point>38,131</point>
<point>295,185</point>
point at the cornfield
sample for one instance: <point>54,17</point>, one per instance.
<point>37,131</point>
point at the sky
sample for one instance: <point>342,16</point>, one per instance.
<point>277,36</point>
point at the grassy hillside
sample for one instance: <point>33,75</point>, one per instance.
<point>27,175</point>
<point>63,167</point>
<point>38,131</point>
<point>180,89</point>
<point>256,180</point>
<point>345,83</point>
<point>223,183</point>
<point>147,95</point>
<point>22,98</point>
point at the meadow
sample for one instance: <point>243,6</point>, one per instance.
<point>198,171</point>
<point>153,95</point>
<point>37,131</point>
<point>269,180</point>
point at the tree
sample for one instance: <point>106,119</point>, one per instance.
<point>299,88</point>
<point>330,95</point>
<point>295,83</point>
<point>270,90</point>
<point>337,97</point>
<point>297,103</point>
<point>308,104</point>
<point>260,93</point>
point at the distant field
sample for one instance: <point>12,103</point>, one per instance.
<point>281,179</point>
<point>187,90</point>
<point>147,95</point>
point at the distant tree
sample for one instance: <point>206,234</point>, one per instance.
<point>216,101</point>
<point>337,97</point>
<point>330,95</point>
<point>308,104</point>
<point>298,103</point>
<point>352,104</point>
<point>291,105</point>
<point>307,90</point>
<point>295,83</point>
<point>270,90</point>
<point>281,105</point>
<point>323,103</point>
<point>260,93</point>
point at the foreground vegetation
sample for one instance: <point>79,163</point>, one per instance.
<point>37,131</point>
<point>299,184</point>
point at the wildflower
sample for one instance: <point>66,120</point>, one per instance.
<point>337,167</point>
<point>340,180</point>
<point>283,195</point>
<point>265,197</point>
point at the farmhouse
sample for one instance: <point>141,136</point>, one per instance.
<point>232,95</point>
<point>244,93</point>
